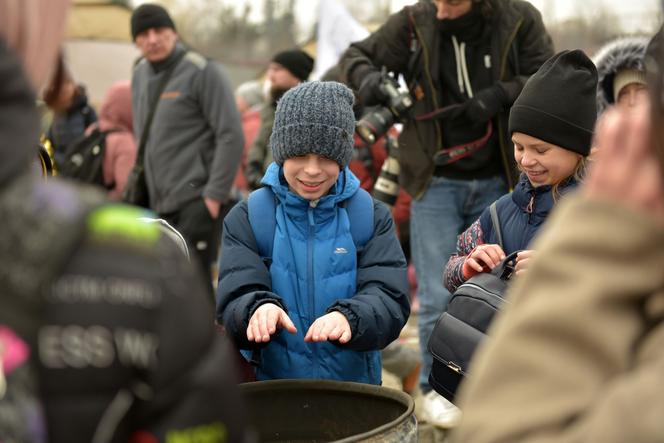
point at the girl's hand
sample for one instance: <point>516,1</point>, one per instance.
<point>265,321</point>
<point>523,260</point>
<point>332,326</point>
<point>482,259</point>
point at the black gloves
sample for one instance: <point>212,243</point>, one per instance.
<point>485,104</point>
<point>369,91</point>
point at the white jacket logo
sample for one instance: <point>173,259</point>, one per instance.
<point>340,251</point>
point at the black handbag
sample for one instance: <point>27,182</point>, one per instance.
<point>461,328</point>
<point>135,191</point>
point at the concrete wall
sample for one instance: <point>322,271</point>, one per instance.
<point>98,64</point>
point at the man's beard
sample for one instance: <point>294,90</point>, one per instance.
<point>276,92</point>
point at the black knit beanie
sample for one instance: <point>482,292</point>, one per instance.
<point>298,62</point>
<point>314,118</point>
<point>149,16</point>
<point>558,103</point>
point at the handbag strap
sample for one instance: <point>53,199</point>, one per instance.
<point>153,107</point>
<point>496,224</point>
<point>506,267</point>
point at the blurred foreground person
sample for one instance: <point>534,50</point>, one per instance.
<point>577,356</point>
<point>106,330</point>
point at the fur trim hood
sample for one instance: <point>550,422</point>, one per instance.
<point>622,53</point>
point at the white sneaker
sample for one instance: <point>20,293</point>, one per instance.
<point>438,411</point>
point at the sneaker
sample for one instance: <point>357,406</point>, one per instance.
<point>438,411</point>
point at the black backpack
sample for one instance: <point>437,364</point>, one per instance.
<point>84,158</point>
<point>461,328</point>
<point>31,209</point>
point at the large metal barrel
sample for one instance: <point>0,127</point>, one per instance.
<point>325,411</point>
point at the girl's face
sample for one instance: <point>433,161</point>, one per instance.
<point>542,162</point>
<point>310,176</point>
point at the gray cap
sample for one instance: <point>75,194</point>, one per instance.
<point>314,118</point>
<point>251,92</point>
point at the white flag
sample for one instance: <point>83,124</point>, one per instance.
<point>337,29</point>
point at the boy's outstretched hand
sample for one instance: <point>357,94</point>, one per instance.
<point>265,321</point>
<point>332,326</point>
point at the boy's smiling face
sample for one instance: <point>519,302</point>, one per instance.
<point>310,176</point>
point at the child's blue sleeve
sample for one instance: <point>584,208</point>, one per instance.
<point>244,281</point>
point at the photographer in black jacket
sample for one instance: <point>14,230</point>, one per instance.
<point>465,62</point>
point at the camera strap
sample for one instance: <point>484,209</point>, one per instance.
<point>455,153</point>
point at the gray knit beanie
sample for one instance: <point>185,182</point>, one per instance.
<point>314,118</point>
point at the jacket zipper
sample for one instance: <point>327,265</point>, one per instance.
<point>531,206</point>
<point>310,279</point>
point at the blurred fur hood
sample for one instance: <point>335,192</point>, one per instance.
<point>622,53</point>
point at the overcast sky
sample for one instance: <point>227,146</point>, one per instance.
<point>638,16</point>
<point>561,9</point>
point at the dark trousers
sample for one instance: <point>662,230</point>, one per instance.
<point>200,231</point>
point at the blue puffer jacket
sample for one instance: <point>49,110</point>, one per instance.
<point>315,269</point>
<point>521,213</point>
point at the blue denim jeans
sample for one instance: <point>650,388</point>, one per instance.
<point>447,208</point>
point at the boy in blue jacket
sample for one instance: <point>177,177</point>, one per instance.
<point>321,306</point>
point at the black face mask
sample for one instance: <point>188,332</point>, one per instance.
<point>469,23</point>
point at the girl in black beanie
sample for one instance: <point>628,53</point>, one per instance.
<point>551,124</point>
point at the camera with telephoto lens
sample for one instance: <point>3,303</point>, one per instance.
<point>376,123</point>
<point>386,188</point>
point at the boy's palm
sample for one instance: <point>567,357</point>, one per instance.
<point>332,326</point>
<point>265,321</point>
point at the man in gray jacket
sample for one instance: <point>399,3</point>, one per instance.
<point>195,141</point>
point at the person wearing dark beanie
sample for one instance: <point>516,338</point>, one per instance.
<point>195,141</point>
<point>314,205</point>
<point>551,123</point>
<point>558,103</point>
<point>148,16</point>
<point>286,70</point>
<point>153,32</point>
<point>298,62</point>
